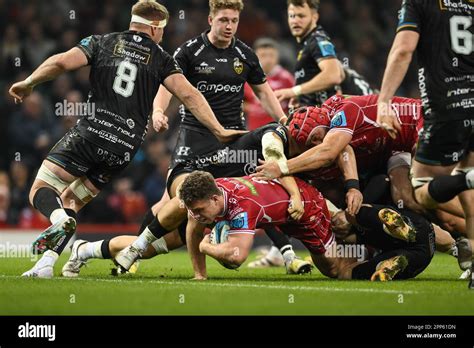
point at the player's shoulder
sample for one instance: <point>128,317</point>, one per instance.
<point>319,35</point>
<point>273,127</point>
<point>192,45</point>
<point>244,50</point>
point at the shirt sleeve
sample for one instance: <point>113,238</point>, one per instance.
<point>181,58</point>
<point>409,16</point>
<point>321,48</point>
<point>168,65</point>
<point>346,119</point>
<point>89,46</point>
<point>256,75</point>
<point>246,220</point>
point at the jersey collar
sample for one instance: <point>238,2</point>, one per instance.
<point>209,43</point>
<point>226,205</point>
<point>310,33</point>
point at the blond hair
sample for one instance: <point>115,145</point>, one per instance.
<point>151,10</point>
<point>216,5</point>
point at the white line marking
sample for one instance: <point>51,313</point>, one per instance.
<point>234,285</point>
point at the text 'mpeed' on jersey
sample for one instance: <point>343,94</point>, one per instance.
<point>315,47</point>
<point>127,69</point>
<point>445,55</point>
<point>220,75</point>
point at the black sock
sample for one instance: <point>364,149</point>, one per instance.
<point>444,188</point>
<point>156,229</point>
<point>46,200</point>
<point>104,249</point>
<point>368,217</point>
<point>278,238</point>
<point>147,220</point>
<point>376,188</point>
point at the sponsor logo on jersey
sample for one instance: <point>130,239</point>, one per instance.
<point>130,123</point>
<point>198,52</point>
<point>249,185</point>
<point>132,53</point>
<point>459,91</point>
<point>85,42</point>
<point>300,74</point>
<point>203,86</point>
<point>204,68</point>
<point>339,119</point>
<point>183,151</point>
<point>327,48</point>
<point>238,66</point>
<point>239,222</point>
<point>137,38</point>
<point>456,5</point>
<point>241,53</point>
<point>221,60</point>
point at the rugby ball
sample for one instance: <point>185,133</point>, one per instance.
<point>219,234</point>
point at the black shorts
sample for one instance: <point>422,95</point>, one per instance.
<point>80,157</point>
<point>192,143</point>
<point>418,253</point>
<point>445,143</point>
<point>179,169</point>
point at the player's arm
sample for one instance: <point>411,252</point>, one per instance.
<point>331,74</point>
<point>314,158</point>
<point>398,61</point>
<point>272,148</point>
<point>233,252</point>
<point>160,104</point>
<point>49,70</point>
<point>195,102</point>
<point>347,163</point>
<point>269,102</point>
<point>194,236</point>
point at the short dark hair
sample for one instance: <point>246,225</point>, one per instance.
<point>198,186</point>
<point>265,42</point>
<point>313,4</point>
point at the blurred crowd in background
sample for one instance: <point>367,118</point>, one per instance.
<point>32,30</point>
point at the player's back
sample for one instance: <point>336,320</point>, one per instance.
<point>127,69</point>
<point>445,54</point>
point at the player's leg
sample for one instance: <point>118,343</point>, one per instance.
<point>82,251</point>
<point>45,195</point>
<point>168,219</point>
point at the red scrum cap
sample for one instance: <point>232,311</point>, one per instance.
<point>305,121</point>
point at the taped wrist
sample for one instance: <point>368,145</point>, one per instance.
<point>272,148</point>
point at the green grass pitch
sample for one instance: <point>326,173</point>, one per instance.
<point>162,286</point>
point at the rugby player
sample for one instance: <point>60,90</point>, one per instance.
<point>318,72</point>
<point>442,35</point>
<point>127,69</point>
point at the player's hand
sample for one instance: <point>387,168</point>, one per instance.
<point>284,94</point>
<point>229,135</point>
<point>205,241</point>
<point>296,208</point>
<point>160,121</point>
<point>387,119</point>
<point>20,91</point>
<point>293,104</point>
<point>354,200</point>
<point>267,171</point>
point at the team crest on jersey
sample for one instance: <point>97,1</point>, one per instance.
<point>339,120</point>
<point>238,66</point>
<point>239,222</point>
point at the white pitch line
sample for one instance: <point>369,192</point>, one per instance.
<point>236,285</point>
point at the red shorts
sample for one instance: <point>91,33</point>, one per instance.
<point>314,228</point>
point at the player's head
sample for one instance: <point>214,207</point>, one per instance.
<point>309,125</point>
<point>150,17</point>
<point>201,196</point>
<point>224,16</point>
<point>302,16</point>
<point>267,53</point>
